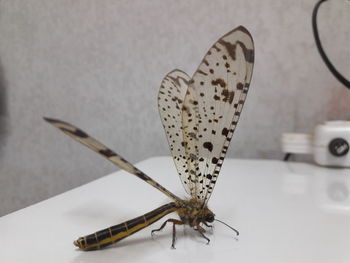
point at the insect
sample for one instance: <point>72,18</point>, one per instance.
<point>199,115</point>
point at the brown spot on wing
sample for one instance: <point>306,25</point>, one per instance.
<point>220,82</point>
<point>230,48</point>
<point>107,152</point>
<point>208,145</point>
<point>202,72</point>
<point>224,131</point>
<point>228,95</point>
<point>214,160</point>
<point>248,53</point>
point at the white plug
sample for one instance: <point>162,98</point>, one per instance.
<point>300,143</point>
<point>329,144</point>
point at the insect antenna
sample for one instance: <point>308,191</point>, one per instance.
<point>235,230</point>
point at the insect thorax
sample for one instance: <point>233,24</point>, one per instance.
<point>193,212</point>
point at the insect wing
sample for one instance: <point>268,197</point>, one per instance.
<point>170,101</point>
<point>85,139</point>
<point>213,104</point>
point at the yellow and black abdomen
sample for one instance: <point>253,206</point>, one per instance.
<point>116,233</point>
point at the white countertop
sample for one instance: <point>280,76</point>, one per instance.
<point>285,212</point>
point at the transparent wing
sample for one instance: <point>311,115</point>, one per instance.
<point>170,100</point>
<point>213,104</point>
<point>85,139</point>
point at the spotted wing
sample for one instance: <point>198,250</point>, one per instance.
<point>170,101</point>
<point>85,139</point>
<point>213,105</point>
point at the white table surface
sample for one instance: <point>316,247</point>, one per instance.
<point>285,212</point>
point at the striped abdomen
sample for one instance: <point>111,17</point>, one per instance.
<point>115,233</point>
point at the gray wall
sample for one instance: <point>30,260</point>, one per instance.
<point>98,64</point>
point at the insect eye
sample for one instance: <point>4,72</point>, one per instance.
<point>210,218</point>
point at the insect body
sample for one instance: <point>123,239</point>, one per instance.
<point>199,115</point>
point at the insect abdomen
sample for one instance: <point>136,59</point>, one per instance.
<point>116,233</point>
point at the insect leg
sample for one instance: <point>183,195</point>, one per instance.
<point>159,229</point>
<point>207,225</point>
<point>201,231</point>
<point>175,222</point>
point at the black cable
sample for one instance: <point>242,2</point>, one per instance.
<point>330,66</point>
<point>287,156</point>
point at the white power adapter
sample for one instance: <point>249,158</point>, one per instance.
<point>329,144</point>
